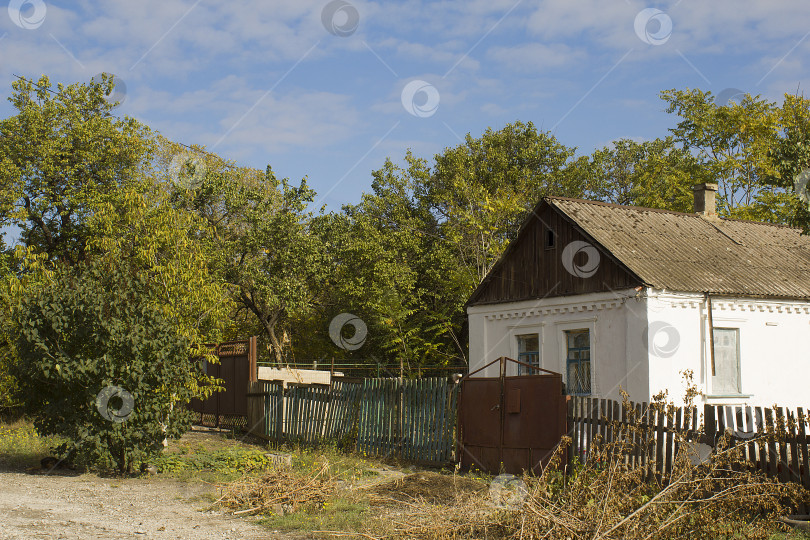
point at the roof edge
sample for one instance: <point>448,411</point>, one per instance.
<point>663,211</point>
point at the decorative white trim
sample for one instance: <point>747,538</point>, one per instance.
<point>554,310</point>
<point>740,305</point>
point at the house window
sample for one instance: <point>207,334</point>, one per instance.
<point>578,362</point>
<point>549,238</point>
<point>726,372</point>
<point>528,353</point>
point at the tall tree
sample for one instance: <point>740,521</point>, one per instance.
<point>731,143</point>
<point>259,240</point>
<point>407,257</point>
<point>61,154</point>
<point>129,322</point>
<point>653,174</point>
<point>111,289</point>
<point>789,161</point>
<point>480,191</point>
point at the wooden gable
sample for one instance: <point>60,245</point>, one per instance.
<point>534,264</point>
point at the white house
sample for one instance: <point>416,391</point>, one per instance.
<point>625,297</point>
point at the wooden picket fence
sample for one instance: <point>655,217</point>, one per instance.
<point>409,419</point>
<point>775,441</point>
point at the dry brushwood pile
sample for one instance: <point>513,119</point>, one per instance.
<point>429,487</point>
<point>436,506</point>
<point>278,490</point>
<point>605,497</point>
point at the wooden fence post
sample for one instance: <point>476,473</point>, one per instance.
<point>709,425</point>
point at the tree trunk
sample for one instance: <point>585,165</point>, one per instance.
<point>270,327</point>
<point>268,320</point>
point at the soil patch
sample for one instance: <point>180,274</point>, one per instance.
<point>88,507</point>
<point>430,487</point>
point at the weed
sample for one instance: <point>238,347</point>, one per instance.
<point>344,513</point>
<point>21,446</point>
<point>222,464</point>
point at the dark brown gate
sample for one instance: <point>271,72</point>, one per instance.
<point>515,421</point>
<point>237,368</point>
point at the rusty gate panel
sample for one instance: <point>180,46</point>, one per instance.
<point>534,420</point>
<point>514,423</point>
<point>480,415</point>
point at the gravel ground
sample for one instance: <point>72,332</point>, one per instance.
<point>88,507</point>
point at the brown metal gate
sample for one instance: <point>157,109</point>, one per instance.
<point>515,421</point>
<point>236,368</point>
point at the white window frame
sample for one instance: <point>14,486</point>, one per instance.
<point>719,321</point>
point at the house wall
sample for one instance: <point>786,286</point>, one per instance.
<point>643,341</point>
<point>611,318</point>
<point>774,347</point>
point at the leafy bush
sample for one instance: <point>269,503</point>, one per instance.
<point>101,364</point>
<point>9,389</point>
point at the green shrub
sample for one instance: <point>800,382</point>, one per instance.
<point>101,364</point>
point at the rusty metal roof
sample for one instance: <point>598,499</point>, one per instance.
<point>690,253</point>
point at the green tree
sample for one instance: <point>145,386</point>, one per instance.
<point>397,279</point>
<point>480,191</point>
<point>406,258</point>
<point>132,316</point>
<point>60,155</point>
<point>731,144</point>
<point>789,161</point>
<point>9,389</point>
<point>258,241</point>
<point>111,286</point>
<point>652,174</point>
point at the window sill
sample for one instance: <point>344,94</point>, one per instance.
<point>729,396</point>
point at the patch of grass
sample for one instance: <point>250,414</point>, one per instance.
<point>21,446</point>
<point>343,466</point>
<point>219,465</point>
<point>792,535</point>
<point>341,513</point>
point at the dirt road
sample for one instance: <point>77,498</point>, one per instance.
<point>89,507</point>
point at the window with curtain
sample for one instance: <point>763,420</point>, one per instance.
<point>726,373</point>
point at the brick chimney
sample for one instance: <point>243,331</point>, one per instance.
<point>705,199</point>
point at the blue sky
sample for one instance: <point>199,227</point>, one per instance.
<point>315,88</point>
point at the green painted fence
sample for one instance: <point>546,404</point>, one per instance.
<point>409,419</point>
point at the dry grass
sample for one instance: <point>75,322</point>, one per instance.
<point>605,498</point>
<point>428,487</point>
<point>277,491</point>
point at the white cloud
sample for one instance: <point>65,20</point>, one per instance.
<point>719,26</point>
<point>279,121</point>
<point>536,57</point>
<point>493,109</point>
